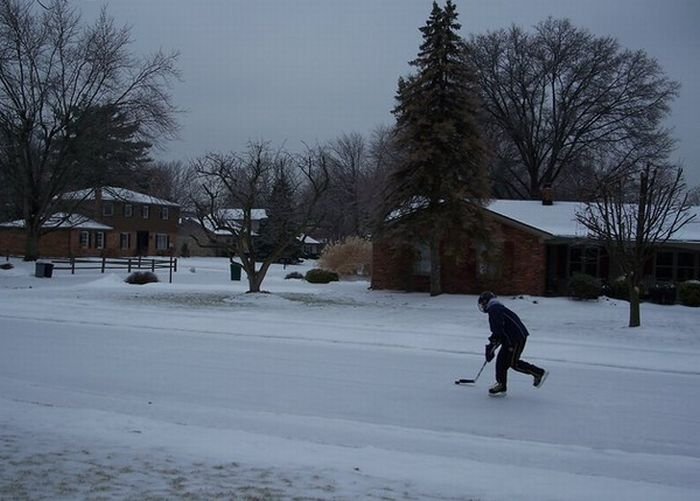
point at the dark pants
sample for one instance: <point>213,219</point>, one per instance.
<point>509,358</point>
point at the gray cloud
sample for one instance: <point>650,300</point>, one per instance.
<point>309,70</point>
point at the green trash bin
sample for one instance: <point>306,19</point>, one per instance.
<point>236,271</point>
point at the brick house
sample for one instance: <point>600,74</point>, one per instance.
<point>215,238</point>
<point>121,223</point>
<point>67,235</point>
<point>141,224</point>
<point>535,248</point>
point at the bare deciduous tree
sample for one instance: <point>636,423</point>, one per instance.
<point>346,203</point>
<point>561,98</point>
<point>632,219</point>
<point>358,169</point>
<point>170,181</point>
<point>232,187</point>
<point>694,196</point>
<point>53,70</point>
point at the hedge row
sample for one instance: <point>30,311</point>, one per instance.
<point>582,286</point>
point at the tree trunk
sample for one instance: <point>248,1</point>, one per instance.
<point>254,282</point>
<point>435,266</point>
<point>635,315</point>
<point>31,246</point>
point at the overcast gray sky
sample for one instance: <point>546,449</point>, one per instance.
<point>293,71</point>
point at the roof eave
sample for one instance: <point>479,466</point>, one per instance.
<point>521,226</point>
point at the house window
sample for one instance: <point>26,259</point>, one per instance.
<point>128,210</point>
<point>146,211</point>
<point>100,239</point>
<point>421,265</point>
<point>162,241</point>
<point>584,259</point>
<point>164,213</point>
<point>125,241</point>
<point>686,266</point>
<point>84,239</point>
<point>107,209</point>
<point>664,266</point>
<point>675,266</point>
<point>488,262</point>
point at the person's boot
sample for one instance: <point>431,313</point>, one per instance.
<point>497,390</point>
<point>539,379</point>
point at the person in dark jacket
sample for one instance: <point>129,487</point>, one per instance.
<point>508,332</point>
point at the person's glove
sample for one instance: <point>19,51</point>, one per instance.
<point>490,351</point>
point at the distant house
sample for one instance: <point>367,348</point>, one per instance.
<point>67,235</point>
<point>216,237</point>
<point>142,224</point>
<point>538,248</point>
<point>235,218</point>
<point>311,248</point>
<point>107,221</point>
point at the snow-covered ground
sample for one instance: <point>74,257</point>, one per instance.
<point>197,390</point>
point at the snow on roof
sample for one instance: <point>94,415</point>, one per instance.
<point>63,221</point>
<point>116,194</point>
<point>308,240</point>
<point>228,221</point>
<point>237,214</point>
<point>559,219</point>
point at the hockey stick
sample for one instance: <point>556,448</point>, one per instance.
<point>472,381</point>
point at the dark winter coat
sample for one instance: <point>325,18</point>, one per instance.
<point>506,327</point>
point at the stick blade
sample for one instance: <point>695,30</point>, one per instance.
<point>465,381</point>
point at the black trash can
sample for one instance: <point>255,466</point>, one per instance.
<point>43,270</point>
<point>236,271</point>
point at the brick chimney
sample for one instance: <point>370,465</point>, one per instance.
<point>547,195</point>
<point>98,202</point>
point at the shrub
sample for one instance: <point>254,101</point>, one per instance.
<point>582,286</point>
<point>295,275</point>
<point>617,289</point>
<point>6,266</point>
<point>319,276</point>
<point>352,256</point>
<point>663,293</point>
<point>689,293</point>
<point>185,250</point>
<point>141,277</point>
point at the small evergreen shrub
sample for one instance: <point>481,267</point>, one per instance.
<point>352,256</point>
<point>617,289</point>
<point>141,278</point>
<point>294,275</point>
<point>582,286</point>
<point>662,293</point>
<point>185,250</point>
<point>6,266</point>
<point>689,293</point>
<point>319,276</point>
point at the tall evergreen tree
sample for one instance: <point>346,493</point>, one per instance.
<point>280,231</point>
<point>104,146</point>
<point>442,179</point>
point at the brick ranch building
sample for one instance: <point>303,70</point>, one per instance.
<point>64,236</point>
<point>535,249</point>
<point>108,221</point>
